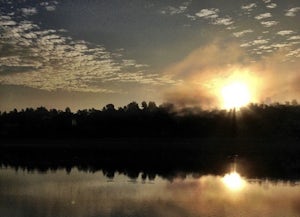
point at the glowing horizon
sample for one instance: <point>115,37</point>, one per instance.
<point>233,181</point>
<point>235,95</point>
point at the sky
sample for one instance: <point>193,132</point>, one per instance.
<point>85,54</point>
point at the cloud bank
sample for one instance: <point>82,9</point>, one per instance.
<point>48,59</point>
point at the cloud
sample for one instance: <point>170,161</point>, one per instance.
<point>171,10</point>
<point>231,27</point>
<point>296,37</point>
<point>242,33</point>
<point>272,5</point>
<point>260,41</point>
<point>205,70</point>
<point>278,76</point>
<point>45,59</point>
<point>249,7</point>
<point>215,54</point>
<point>208,13</point>
<point>223,21</point>
<point>269,23</point>
<point>280,45</point>
<point>189,96</point>
<point>212,14</point>
<point>285,32</point>
<point>263,16</point>
<point>255,42</point>
<point>292,11</point>
<point>199,73</point>
<point>50,8</point>
<point>6,21</point>
<point>29,11</point>
<point>295,53</point>
<point>191,17</point>
<point>267,48</point>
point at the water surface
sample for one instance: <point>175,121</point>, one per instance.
<point>94,195</point>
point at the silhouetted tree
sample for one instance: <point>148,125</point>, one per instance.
<point>152,106</point>
<point>144,106</point>
<point>132,107</point>
<point>109,107</point>
<point>294,102</point>
<point>67,110</point>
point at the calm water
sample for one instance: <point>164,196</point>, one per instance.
<point>59,194</point>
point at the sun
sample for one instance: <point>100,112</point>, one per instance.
<point>233,181</point>
<point>235,95</point>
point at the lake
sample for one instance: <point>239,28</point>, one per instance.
<point>78,193</point>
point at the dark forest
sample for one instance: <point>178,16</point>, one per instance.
<point>164,121</point>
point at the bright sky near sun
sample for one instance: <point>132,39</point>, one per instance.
<point>86,54</point>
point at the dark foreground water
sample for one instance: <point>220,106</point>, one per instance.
<point>78,193</point>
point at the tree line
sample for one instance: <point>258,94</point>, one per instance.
<point>150,120</point>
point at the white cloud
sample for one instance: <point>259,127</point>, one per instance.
<point>171,10</point>
<point>260,41</point>
<point>292,12</point>
<point>50,8</point>
<point>212,14</point>
<point>272,5</point>
<point>265,47</point>
<point>208,13</point>
<point>30,35</point>
<point>242,33</point>
<point>285,32</point>
<point>7,23</point>
<point>44,3</point>
<point>56,62</point>
<point>249,7</point>
<point>294,42</point>
<point>280,45</point>
<point>191,17</point>
<point>248,44</point>
<point>295,53</point>
<point>296,37</point>
<point>29,11</point>
<point>223,21</point>
<point>48,3</point>
<point>255,42</point>
<point>263,16</point>
<point>269,23</point>
<point>231,27</point>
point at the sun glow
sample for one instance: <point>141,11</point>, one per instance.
<point>235,95</point>
<point>233,181</point>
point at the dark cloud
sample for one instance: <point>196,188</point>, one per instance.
<point>8,70</point>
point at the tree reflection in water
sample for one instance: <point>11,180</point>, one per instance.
<point>93,194</point>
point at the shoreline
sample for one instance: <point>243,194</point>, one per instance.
<point>257,158</point>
